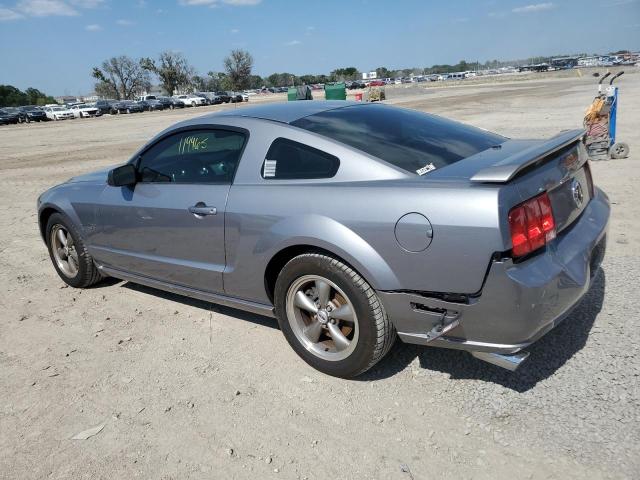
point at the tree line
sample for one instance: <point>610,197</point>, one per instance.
<point>11,96</point>
<point>124,77</point>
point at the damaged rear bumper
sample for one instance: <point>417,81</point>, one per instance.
<point>519,302</point>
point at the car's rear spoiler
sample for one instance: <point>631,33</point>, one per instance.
<point>508,168</point>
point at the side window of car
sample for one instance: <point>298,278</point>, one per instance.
<point>193,156</point>
<point>288,160</point>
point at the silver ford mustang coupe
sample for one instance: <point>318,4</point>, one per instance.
<point>351,223</point>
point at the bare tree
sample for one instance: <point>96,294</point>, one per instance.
<point>173,70</point>
<point>121,77</point>
<point>238,66</point>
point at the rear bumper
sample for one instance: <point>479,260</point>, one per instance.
<point>519,302</point>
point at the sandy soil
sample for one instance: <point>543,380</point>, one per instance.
<point>189,390</point>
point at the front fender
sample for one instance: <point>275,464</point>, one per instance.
<point>74,200</point>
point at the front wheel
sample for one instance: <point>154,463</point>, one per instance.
<point>69,254</point>
<point>331,316</point>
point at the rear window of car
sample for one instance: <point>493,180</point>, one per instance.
<point>413,141</point>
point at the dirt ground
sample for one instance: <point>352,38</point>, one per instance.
<point>190,390</point>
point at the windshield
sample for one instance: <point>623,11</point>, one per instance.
<point>414,141</point>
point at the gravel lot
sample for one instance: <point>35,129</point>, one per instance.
<point>190,390</point>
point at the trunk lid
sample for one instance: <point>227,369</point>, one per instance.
<point>522,169</point>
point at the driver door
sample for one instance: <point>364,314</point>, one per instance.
<point>170,225</point>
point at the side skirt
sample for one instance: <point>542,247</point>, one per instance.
<point>232,302</point>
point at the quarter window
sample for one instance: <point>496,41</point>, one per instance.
<point>193,156</point>
<point>287,160</point>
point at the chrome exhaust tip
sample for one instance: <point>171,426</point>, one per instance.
<point>510,361</point>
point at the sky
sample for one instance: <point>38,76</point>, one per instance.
<point>52,45</point>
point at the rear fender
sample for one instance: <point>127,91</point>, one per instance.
<point>328,235</point>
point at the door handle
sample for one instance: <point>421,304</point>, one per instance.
<point>201,209</point>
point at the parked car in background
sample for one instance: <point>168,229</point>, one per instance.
<point>224,97</point>
<point>15,111</point>
<point>32,113</point>
<point>213,98</point>
<point>170,103</point>
<point>234,97</point>
<point>191,100</point>
<point>82,110</point>
<point>127,106</point>
<point>151,104</point>
<point>8,117</point>
<point>207,100</point>
<point>58,113</point>
<point>106,106</point>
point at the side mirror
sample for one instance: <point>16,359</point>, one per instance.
<point>123,176</point>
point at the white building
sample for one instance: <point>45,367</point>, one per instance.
<point>369,75</point>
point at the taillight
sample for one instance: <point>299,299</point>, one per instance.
<point>532,225</point>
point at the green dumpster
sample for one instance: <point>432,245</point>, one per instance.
<point>335,91</point>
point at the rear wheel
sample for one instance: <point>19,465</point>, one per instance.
<point>331,316</point>
<point>69,254</point>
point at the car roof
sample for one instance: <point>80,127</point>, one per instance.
<point>283,112</point>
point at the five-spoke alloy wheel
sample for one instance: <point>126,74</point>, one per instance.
<point>64,251</point>
<point>322,317</point>
<point>331,316</point>
<point>69,254</point>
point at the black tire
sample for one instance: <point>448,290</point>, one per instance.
<point>376,333</point>
<point>87,274</point>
